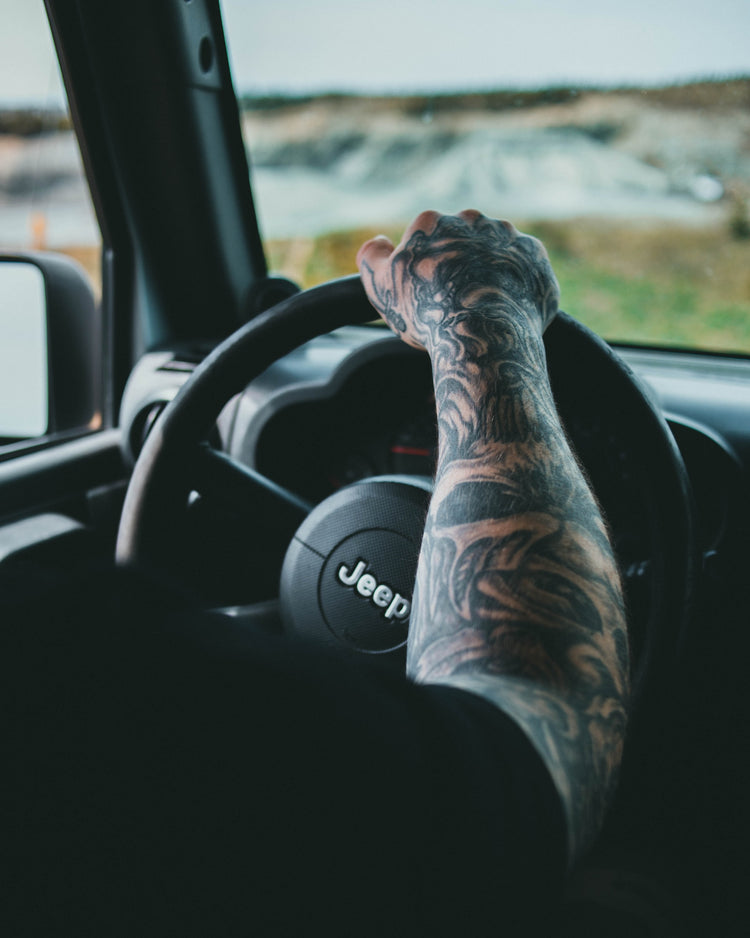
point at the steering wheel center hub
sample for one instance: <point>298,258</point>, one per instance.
<point>357,554</point>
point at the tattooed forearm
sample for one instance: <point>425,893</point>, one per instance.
<point>517,597</point>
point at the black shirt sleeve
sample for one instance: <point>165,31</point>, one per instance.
<point>174,773</point>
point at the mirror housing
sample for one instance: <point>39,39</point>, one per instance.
<point>59,335</point>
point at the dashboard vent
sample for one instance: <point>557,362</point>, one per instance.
<point>143,425</point>
<point>185,362</point>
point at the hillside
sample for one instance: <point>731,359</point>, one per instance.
<point>679,153</point>
<point>641,195</point>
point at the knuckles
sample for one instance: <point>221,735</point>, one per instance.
<point>395,298</point>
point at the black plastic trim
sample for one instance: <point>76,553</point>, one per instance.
<point>40,479</point>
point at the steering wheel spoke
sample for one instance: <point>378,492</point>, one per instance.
<point>238,526</point>
<point>220,477</point>
<point>263,616</point>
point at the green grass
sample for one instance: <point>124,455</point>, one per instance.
<point>665,285</point>
<point>657,286</point>
<point>648,311</point>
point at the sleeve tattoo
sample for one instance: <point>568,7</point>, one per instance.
<point>518,597</point>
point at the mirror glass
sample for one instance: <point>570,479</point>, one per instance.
<point>23,352</point>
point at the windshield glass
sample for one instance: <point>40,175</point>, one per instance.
<point>619,134</point>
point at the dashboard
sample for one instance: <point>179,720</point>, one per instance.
<point>358,403</point>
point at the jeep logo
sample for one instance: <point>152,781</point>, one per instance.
<point>394,605</point>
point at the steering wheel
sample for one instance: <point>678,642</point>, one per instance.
<point>341,563</point>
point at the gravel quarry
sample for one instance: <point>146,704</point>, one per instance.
<point>679,155</point>
<point>611,155</point>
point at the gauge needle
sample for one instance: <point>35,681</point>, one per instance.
<point>411,450</point>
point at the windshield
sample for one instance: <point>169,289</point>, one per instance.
<point>619,134</point>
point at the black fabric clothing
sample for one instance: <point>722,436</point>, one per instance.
<point>170,773</point>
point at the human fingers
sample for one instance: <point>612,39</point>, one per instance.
<point>426,222</point>
<point>374,253</point>
<point>376,257</point>
<point>373,259</point>
<point>470,215</point>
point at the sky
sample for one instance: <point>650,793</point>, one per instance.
<point>302,46</point>
<point>401,45</point>
<point>28,66</point>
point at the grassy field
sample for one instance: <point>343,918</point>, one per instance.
<point>665,285</point>
<point>660,285</point>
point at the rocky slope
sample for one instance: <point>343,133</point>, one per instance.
<point>675,154</point>
<point>344,162</point>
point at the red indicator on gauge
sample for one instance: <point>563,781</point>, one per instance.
<point>399,450</point>
<point>413,457</point>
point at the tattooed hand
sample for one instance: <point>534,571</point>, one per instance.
<point>451,269</point>
<point>518,596</point>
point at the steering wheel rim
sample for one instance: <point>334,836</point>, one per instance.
<point>190,417</point>
<point>153,500</point>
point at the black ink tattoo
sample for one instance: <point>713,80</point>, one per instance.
<point>518,597</point>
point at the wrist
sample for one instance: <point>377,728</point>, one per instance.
<point>480,347</point>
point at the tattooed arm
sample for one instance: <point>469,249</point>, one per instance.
<point>517,596</point>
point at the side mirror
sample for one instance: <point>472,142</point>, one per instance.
<point>50,347</point>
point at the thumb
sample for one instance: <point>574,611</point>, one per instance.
<point>374,253</point>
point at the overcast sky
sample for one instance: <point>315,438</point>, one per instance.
<point>400,45</point>
<point>395,45</point>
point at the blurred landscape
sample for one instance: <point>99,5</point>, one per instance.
<point>44,199</point>
<point>641,196</point>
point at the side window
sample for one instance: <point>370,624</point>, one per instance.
<point>50,244</point>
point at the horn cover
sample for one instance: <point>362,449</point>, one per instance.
<point>348,574</point>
